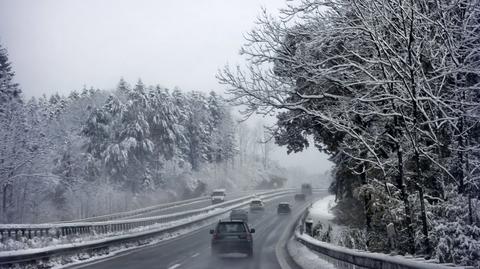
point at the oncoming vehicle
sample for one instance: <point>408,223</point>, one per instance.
<point>232,236</point>
<point>256,205</point>
<point>299,197</point>
<point>218,196</point>
<point>307,189</point>
<point>284,208</point>
<point>239,214</point>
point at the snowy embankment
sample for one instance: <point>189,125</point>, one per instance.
<point>336,255</point>
<point>323,226</point>
<point>310,252</point>
<point>321,209</point>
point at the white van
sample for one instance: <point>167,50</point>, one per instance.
<point>218,196</point>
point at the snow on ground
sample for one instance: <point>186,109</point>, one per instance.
<point>305,258</point>
<point>75,259</point>
<point>324,227</point>
<point>321,209</point>
<point>372,257</point>
<point>321,215</point>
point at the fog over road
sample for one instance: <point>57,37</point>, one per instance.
<point>192,250</point>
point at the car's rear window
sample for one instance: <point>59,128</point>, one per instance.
<point>256,202</point>
<point>283,205</point>
<point>238,211</point>
<point>218,193</point>
<point>231,227</point>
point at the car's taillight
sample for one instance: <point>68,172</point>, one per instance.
<point>215,236</point>
<point>249,237</point>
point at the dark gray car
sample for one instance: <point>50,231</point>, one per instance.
<point>284,208</point>
<point>232,236</point>
<point>239,214</point>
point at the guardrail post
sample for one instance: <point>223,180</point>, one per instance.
<point>309,227</point>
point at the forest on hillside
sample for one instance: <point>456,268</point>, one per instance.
<point>98,151</point>
<point>391,90</point>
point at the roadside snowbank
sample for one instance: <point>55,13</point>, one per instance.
<point>367,259</point>
<point>305,258</point>
<point>321,209</point>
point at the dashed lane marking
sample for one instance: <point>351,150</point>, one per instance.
<point>175,266</point>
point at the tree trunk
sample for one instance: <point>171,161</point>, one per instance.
<point>424,220</point>
<point>4,203</point>
<point>406,204</point>
<point>461,184</point>
<point>366,200</point>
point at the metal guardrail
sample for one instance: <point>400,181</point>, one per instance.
<point>34,255</point>
<point>145,210</point>
<point>136,212</point>
<point>77,229</point>
<point>349,258</point>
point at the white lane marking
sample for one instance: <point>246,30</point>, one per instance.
<point>175,266</point>
<point>195,255</point>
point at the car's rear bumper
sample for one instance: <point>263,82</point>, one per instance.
<point>283,212</point>
<point>232,247</point>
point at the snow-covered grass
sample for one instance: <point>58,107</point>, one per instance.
<point>321,209</point>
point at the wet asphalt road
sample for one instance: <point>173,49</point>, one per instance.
<point>192,250</point>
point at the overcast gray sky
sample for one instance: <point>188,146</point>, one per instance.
<point>61,45</point>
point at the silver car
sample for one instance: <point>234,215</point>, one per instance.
<point>256,205</point>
